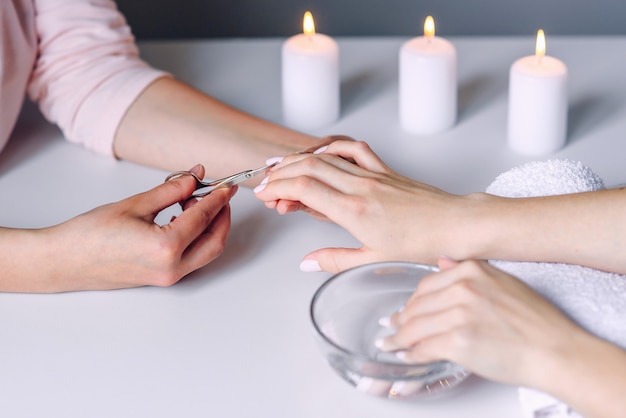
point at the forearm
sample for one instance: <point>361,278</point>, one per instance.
<point>28,260</point>
<point>173,126</point>
<point>586,229</point>
<point>589,375</point>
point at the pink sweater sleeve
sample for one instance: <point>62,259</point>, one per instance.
<point>88,70</point>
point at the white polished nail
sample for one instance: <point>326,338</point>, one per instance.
<point>310,265</point>
<point>407,389</point>
<point>380,343</point>
<point>385,322</point>
<point>320,150</point>
<point>273,160</point>
<point>365,383</point>
<point>374,387</point>
<point>396,388</point>
<point>260,187</point>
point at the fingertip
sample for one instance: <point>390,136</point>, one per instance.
<point>198,170</point>
<point>384,344</point>
<point>262,185</point>
<point>310,265</point>
<point>385,322</point>
<point>274,160</point>
<point>270,204</point>
<point>444,262</point>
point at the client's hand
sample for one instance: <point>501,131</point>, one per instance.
<point>485,320</point>
<point>394,217</point>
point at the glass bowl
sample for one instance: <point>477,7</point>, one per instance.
<point>345,312</point>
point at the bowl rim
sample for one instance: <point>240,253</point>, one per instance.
<point>360,356</point>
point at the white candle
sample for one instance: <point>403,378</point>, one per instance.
<point>310,78</point>
<point>537,103</point>
<point>427,83</point>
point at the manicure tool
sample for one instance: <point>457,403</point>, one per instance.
<point>204,188</point>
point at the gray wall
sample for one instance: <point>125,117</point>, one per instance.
<point>252,18</point>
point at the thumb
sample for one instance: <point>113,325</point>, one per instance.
<point>170,192</point>
<point>334,260</point>
<point>446,263</point>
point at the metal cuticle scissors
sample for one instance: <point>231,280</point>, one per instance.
<point>204,188</point>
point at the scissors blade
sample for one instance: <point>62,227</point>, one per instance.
<point>232,180</point>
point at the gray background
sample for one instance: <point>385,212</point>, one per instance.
<point>185,19</point>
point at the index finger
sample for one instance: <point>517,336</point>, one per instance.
<point>325,141</point>
<point>194,220</point>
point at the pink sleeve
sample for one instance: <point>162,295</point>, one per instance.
<point>88,70</point>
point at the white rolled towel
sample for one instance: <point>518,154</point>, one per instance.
<point>595,299</point>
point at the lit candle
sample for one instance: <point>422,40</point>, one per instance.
<point>310,78</point>
<point>427,83</point>
<point>537,102</point>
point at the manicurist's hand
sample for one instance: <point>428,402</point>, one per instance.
<point>118,245</point>
<point>394,217</point>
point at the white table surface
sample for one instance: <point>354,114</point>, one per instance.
<point>234,339</point>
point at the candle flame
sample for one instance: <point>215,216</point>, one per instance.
<point>540,49</point>
<point>308,25</point>
<point>429,27</point>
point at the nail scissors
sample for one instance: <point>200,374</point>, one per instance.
<point>204,188</point>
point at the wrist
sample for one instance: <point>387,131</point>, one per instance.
<point>25,260</point>
<point>474,231</point>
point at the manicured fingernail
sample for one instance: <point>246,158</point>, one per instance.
<point>401,355</point>
<point>261,186</point>
<point>273,160</point>
<point>385,322</point>
<point>365,383</point>
<point>380,344</point>
<point>320,150</point>
<point>396,388</point>
<point>310,265</point>
<point>196,168</point>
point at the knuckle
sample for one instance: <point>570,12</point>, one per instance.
<point>461,339</point>
<point>180,185</point>
<point>406,334</point>
<point>362,146</point>
<point>303,182</point>
<point>207,215</point>
<point>460,316</point>
<point>370,184</point>
<point>357,206</point>
<point>310,163</point>
<point>464,291</point>
<point>167,252</point>
<point>166,279</point>
<point>218,247</point>
<point>473,267</point>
